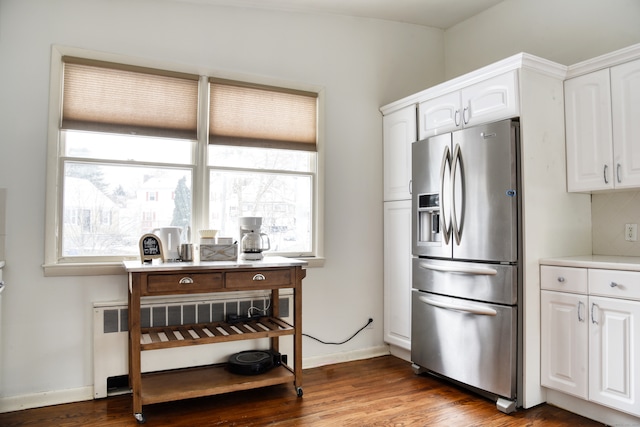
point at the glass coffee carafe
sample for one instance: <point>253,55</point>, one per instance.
<point>253,244</point>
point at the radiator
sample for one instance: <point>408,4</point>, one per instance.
<point>110,335</point>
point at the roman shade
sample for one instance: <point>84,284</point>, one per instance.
<point>116,98</point>
<point>261,116</point>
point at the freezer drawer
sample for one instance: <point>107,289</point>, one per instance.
<point>477,281</point>
<point>470,342</point>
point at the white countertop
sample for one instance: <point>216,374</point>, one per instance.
<point>268,261</point>
<point>606,262</point>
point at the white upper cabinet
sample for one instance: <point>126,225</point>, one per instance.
<point>625,96</point>
<point>603,139</point>
<point>440,115</point>
<point>493,99</point>
<point>399,128</point>
<point>588,132</point>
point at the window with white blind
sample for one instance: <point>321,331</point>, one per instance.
<point>138,148</point>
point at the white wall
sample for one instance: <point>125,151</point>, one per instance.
<point>563,31</point>
<point>361,64</point>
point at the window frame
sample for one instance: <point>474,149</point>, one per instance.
<point>53,265</point>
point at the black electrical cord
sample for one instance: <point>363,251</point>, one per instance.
<point>343,342</point>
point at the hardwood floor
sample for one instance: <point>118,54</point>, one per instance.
<point>373,392</point>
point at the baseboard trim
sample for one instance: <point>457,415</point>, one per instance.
<point>591,410</point>
<point>38,400</point>
<point>332,359</point>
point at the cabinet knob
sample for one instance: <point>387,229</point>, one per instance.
<point>560,279</point>
<point>186,281</point>
<point>259,277</point>
<point>613,284</point>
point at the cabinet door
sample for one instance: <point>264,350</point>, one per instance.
<point>493,99</point>
<point>614,349</point>
<point>625,98</point>
<point>564,342</point>
<point>397,273</point>
<point>589,132</point>
<point>439,115</point>
<point>400,131</point>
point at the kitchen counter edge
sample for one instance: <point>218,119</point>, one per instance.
<point>604,262</point>
<point>137,266</point>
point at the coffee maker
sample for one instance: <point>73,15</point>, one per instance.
<point>252,241</point>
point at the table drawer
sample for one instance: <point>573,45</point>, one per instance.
<point>186,283</point>
<point>615,283</point>
<point>258,279</point>
<point>565,279</point>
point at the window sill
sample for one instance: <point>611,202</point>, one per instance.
<point>116,268</point>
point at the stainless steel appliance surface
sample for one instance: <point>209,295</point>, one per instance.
<point>466,314</point>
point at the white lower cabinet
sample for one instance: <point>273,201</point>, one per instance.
<point>590,344</point>
<point>614,353</point>
<point>397,273</point>
<point>565,339</point>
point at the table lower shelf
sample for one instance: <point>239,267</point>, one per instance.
<point>202,381</point>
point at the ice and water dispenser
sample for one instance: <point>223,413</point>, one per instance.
<point>429,218</point>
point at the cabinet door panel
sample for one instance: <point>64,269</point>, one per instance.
<point>399,132</point>
<point>614,349</point>
<point>439,115</point>
<point>397,273</point>
<point>589,132</point>
<point>564,342</point>
<point>490,100</point>
<point>625,96</point>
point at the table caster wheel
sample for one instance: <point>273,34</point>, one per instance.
<point>140,418</point>
<point>299,391</point>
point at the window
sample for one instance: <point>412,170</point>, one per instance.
<point>262,161</point>
<point>132,157</point>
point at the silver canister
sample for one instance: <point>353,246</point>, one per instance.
<point>186,251</point>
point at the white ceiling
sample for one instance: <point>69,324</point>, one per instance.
<point>433,13</point>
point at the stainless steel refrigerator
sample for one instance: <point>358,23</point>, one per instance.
<point>466,247</point>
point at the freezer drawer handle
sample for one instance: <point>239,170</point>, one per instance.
<point>460,269</point>
<point>467,308</point>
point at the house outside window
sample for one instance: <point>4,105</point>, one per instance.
<point>125,172</point>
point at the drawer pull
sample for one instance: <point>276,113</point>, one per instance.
<point>258,277</point>
<point>560,279</point>
<point>593,316</point>
<point>186,281</point>
<point>613,284</point>
<point>580,306</point>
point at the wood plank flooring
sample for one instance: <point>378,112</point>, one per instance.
<point>375,392</point>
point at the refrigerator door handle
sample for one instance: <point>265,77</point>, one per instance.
<point>456,224</point>
<point>481,271</point>
<point>465,307</point>
<point>444,201</point>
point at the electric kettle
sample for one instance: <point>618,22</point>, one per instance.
<point>253,244</point>
<point>170,239</point>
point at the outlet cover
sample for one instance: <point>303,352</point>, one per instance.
<point>631,232</point>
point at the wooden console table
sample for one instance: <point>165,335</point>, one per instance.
<point>272,273</point>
